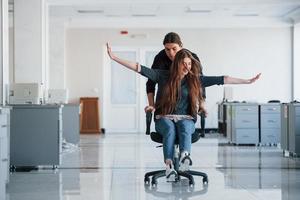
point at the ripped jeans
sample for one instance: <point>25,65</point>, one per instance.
<point>169,129</point>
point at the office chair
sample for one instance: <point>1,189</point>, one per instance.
<point>156,137</point>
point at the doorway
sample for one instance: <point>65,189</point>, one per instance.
<point>124,92</point>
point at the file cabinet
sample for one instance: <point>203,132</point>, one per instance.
<point>270,124</point>
<point>284,142</point>
<point>244,123</point>
<point>294,128</point>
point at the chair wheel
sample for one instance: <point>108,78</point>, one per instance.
<point>154,183</point>
<point>205,180</point>
<point>191,183</point>
<point>146,180</point>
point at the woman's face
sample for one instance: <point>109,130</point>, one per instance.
<point>185,66</point>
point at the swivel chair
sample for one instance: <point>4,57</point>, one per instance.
<point>156,137</point>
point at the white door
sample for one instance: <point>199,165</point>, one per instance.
<point>121,94</point>
<point>124,92</point>
<point>147,57</point>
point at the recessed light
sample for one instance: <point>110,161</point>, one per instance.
<point>246,15</point>
<point>197,10</point>
<point>143,15</point>
<point>90,11</point>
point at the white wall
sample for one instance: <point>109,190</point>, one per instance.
<point>29,41</point>
<point>56,53</point>
<point>235,52</point>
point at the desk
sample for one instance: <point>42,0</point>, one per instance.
<point>36,135</point>
<point>70,118</point>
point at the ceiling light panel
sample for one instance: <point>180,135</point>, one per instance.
<point>200,9</point>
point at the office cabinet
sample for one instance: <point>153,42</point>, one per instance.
<point>290,128</point>
<point>244,123</point>
<point>270,124</point>
<point>284,126</point>
<point>294,128</point>
<point>36,135</point>
<point>223,111</point>
<point>228,116</point>
<point>89,117</point>
<point>70,115</point>
<point>221,121</point>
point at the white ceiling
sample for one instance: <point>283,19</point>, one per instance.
<point>176,13</point>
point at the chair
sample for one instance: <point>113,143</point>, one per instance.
<point>156,137</point>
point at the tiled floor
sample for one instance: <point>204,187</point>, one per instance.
<point>112,166</point>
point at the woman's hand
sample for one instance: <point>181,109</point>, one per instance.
<point>149,109</point>
<point>252,80</point>
<point>233,80</point>
<point>110,54</point>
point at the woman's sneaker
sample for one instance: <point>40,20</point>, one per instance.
<point>185,162</point>
<point>171,173</point>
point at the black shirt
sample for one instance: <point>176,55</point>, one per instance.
<point>163,62</point>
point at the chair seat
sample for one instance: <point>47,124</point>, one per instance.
<point>156,137</point>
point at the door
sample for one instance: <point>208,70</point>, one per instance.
<point>121,94</point>
<point>147,57</point>
<point>124,91</point>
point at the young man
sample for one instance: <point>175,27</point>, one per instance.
<point>163,60</point>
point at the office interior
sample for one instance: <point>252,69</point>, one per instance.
<point>73,122</point>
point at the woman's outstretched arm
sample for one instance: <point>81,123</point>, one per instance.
<point>232,80</point>
<point>135,66</point>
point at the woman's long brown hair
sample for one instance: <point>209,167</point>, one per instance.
<point>172,93</point>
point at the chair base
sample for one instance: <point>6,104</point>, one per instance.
<point>187,174</point>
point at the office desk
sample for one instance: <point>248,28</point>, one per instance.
<point>70,118</point>
<point>36,135</point>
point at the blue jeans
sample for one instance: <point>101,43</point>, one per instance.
<point>169,129</point>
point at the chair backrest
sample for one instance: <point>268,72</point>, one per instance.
<point>148,122</point>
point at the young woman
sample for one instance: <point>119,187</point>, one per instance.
<point>179,99</point>
<point>163,60</point>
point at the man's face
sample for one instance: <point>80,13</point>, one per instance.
<point>171,49</point>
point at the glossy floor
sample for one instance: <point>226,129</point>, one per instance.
<point>112,166</point>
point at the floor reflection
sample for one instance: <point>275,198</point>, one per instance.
<point>176,191</point>
<point>113,168</point>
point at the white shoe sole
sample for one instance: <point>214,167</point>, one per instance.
<point>185,166</point>
<point>171,177</point>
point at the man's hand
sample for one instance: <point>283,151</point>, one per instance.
<point>149,109</point>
